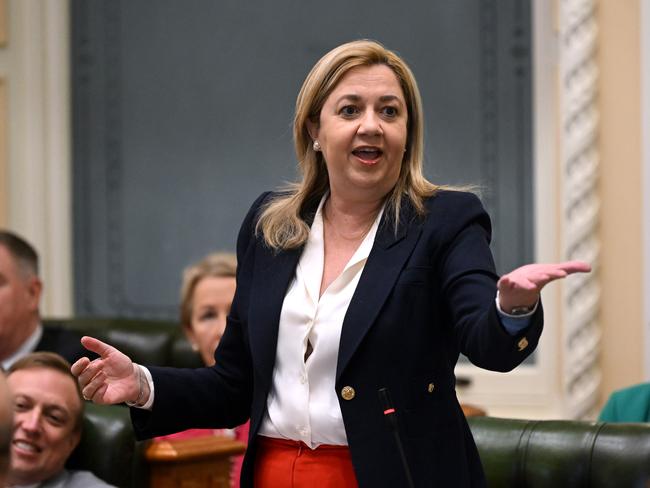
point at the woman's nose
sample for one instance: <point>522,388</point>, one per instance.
<point>370,124</point>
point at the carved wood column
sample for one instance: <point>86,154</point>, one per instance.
<point>579,161</point>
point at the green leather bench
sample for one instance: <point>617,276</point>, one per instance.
<point>148,342</point>
<point>515,453</point>
<point>562,453</point>
<point>108,447</point>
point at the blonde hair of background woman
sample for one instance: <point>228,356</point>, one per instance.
<point>216,265</point>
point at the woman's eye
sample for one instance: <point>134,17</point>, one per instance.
<point>208,315</point>
<point>348,110</point>
<point>390,111</point>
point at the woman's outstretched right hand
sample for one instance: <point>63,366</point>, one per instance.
<point>111,378</point>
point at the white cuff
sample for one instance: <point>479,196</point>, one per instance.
<point>147,377</point>
<point>518,316</point>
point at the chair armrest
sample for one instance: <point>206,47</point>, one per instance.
<point>108,447</point>
<point>180,450</point>
<point>201,461</point>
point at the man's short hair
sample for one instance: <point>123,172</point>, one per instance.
<point>25,255</point>
<point>51,360</point>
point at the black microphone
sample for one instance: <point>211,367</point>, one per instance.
<point>390,414</point>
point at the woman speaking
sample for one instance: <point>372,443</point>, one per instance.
<point>357,289</point>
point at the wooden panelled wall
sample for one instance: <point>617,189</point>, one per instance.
<point>182,116</point>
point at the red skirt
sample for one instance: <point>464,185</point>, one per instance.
<point>281,463</point>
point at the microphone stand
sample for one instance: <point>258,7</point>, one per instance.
<point>391,416</point>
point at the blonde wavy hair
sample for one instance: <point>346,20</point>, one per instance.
<point>281,222</point>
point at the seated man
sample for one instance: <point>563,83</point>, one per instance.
<point>48,418</point>
<point>21,331</point>
<point>6,427</point>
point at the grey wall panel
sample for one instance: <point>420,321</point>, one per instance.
<point>182,116</point>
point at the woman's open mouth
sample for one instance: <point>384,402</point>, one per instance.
<point>368,155</point>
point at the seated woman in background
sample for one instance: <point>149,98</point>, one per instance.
<point>631,404</point>
<point>206,295</point>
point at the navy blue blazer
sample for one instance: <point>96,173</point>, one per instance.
<point>426,294</point>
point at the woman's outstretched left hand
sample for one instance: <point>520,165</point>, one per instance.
<point>521,287</point>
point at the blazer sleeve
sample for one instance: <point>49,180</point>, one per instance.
<point>214,397</point>
<point>468,284</point>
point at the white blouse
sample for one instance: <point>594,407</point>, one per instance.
<point>302,404</point>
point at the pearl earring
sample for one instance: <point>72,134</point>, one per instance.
<point>195,347</point>
<point>316,146</point>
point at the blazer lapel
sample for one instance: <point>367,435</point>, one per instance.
<point>275,271</point>
<point>273,275</point>
<point>386,260</point>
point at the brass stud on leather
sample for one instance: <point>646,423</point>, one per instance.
<point>431,387</point>
<point>522,344</point>
<point>347,393</point>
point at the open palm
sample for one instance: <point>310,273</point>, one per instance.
<point>521,287</point>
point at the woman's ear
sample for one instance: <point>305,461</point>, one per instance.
<point>312,128</point>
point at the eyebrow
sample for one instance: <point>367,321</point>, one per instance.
<point>47,407</point>
<point>201,308</point>
<point>356,98</point>
<point>58,409</point>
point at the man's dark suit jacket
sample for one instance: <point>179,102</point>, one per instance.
<point>426,294</point>
<point>63,341</point>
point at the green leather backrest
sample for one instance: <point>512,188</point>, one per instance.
<point>108,447</point>
<point>562,453</point>
<point>148,342</point>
